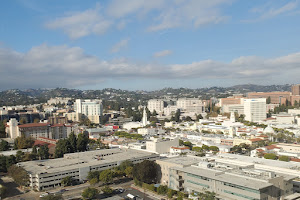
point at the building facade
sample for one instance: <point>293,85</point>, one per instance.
<point>92,109</point>
<point>255,109</point>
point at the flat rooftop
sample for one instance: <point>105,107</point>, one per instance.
<point>228,178</point>
<point>82,159</point>
<point>183,160</point>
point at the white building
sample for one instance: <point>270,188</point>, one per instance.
<point>255,109</point>
<point>47,174</point>
<point>58,100</point>
<point>90,108</point>
<point>190,105</point>
<point>156,104</point>
<point>161,146</point>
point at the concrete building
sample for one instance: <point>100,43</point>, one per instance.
<point>161,146</point>
<point>276,97</point>
<point>58,100</point>
<point>92,109</point>
<point>193,105</point>
<point>255,109</point>
<point>47,174</point>
<point>156,104</point>
<point>229,179</point>
<point>230,101</point>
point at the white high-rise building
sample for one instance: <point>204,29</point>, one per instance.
<point>90,108</point>
<point>190,105</point>
<point>144,119</point>
<point>156,104</point>
<point>255,109</point>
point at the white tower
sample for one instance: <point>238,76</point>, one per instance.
<point>144,119</point>
<point>232,117</point>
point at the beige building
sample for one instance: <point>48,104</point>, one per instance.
<point>47,174</point>
<point>161,145</point>
<point>229,179</point>
<point>292,148</point>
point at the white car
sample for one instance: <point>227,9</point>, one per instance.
<point>44,194</point>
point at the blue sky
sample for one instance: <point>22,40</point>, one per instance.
<point>141,44</point>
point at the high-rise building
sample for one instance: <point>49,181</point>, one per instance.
<point>156,104</point>
<point>255,109</point>
<point>190,105</point>
<point>92,109</point>
<point>296,89</point>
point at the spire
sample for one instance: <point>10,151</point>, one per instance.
<point>144,120</point>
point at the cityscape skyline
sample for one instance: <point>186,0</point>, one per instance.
<point>141,45</point>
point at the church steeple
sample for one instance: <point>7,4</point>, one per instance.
<point>144,120</point>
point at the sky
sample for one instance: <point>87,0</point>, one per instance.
<point>148,45</point>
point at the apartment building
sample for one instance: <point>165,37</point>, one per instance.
<point>255,109</point>
<point>47,174</point>
<point>92,109</point>
<point>192,105</point>
<point>156,104</point>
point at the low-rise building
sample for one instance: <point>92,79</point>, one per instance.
<point>161,146</point>
<point>46,174</point>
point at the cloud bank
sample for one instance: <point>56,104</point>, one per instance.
<point>63,66</point>
<point>161,14</point>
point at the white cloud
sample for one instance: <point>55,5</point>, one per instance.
<point>162,53</point>
<point>63,66</point>
<point>268,11</point>
<point>120,45</point>
<point>80,24</point>
<point>163,14</point>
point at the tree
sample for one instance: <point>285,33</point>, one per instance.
<point>199,117</point>
<point>188,118</point>
<point>89,193</point>
<point>10,160</point>
<point>284,158</point>
<point>125,164</point>
<point>214,148</point>
<point>146,171</point>
<point>34,153</point>
<point>4,146</point>
<point>177,116</point>
<point>73,142</point>
<point>19,175</point>
<point>93,175</point>
<point>3,191</point>
<point>197,149</point>
<point>271,156</point>
<point>43,152</point>
<point>2,129</point>
<point>188,144</point>
<point>3,163</point>
<point>19,156</point>
<point>268,101</point>
<point>162,189</point>
<point>205,147</point>
<point>106,176</point>
<point>128,171</point>
<point>82,142</point>
<point>67,181</point>
<point>107,190</point>
<point>23,142</point>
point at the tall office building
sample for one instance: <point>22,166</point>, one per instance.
<point>90,108</point>
<point>255,109</point>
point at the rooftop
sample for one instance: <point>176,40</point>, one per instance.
<point>81,159</point>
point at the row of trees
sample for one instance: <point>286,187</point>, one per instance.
<point>23,142</point>
<point>273,156</point>
<point>71,144</point>
<point>128,135</point>
<point>107,176</point>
